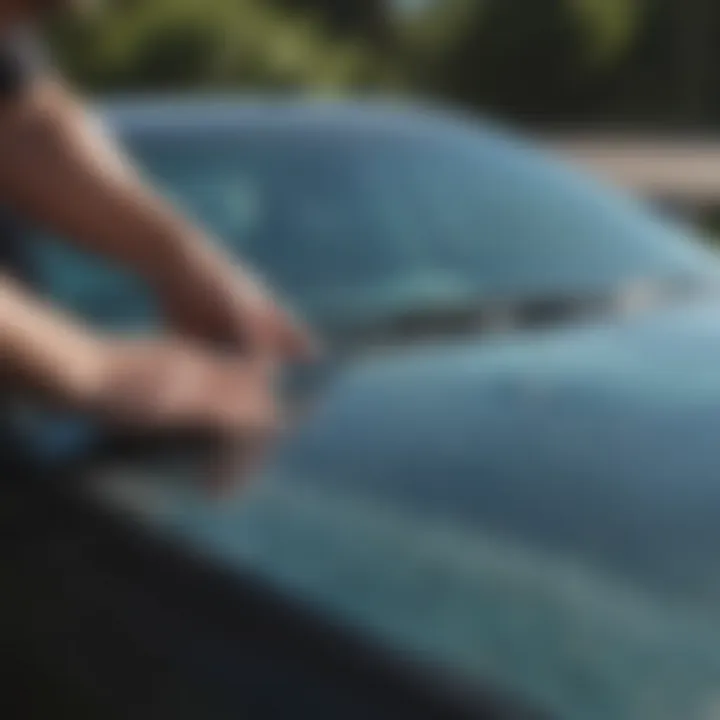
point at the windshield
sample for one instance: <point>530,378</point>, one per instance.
<point>355,225</point>
<point>368,513</point>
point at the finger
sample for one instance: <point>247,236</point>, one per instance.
<point>235,464</point>
<point>301,345</point>
<point>187,392</point>
<point>297,342</point>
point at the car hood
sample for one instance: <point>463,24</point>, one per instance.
<point>529,428</point>
<point>539,508</point>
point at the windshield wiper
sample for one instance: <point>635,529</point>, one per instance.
<point>516,313</point>
<point>462,319</point>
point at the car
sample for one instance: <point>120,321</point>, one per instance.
<point>506,478</point>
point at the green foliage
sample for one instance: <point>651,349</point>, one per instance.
<point>209,44</point>
<point>578,61</point>
<point>520,57</point>
<point>370,20</point>
<point>609,27</point>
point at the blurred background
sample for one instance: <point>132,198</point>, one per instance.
<point>642,64</point>
<point>512,469</point>
<point>628,86</point>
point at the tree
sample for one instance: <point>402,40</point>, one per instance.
<point>581,61</point>
<point>202,44</point>
<point>369,21</point>
<point>541,60</point>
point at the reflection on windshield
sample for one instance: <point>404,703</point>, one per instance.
<point>368,227</point>
<point>355,227</point>
<point>351,225</point>
<point>571,639</point>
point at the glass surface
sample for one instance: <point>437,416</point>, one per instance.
<point>354,226</point>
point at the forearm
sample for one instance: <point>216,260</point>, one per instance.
<point>62,170</point>
<point>45,352</point>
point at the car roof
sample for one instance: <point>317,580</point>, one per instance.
<point>146,115</point>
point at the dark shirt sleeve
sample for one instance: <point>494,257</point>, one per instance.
<point>20,62</point>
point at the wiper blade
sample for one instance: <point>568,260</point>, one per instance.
<point>514,313</point>
<point>447,320</point>
<point>480,316</point>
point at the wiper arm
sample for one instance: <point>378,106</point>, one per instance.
<point>481,316</point>
<point>505,314</point>
<point>421,322</point>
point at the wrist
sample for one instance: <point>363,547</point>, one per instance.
<point>181,261</point>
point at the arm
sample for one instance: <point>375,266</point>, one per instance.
<point>145,384</point>
<point>43,351</point>
<point>59,168</point>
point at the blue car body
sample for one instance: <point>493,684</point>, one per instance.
<point>535,504</point>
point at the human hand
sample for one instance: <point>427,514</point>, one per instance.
<point>237,311</point>
<point>168,388</point>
